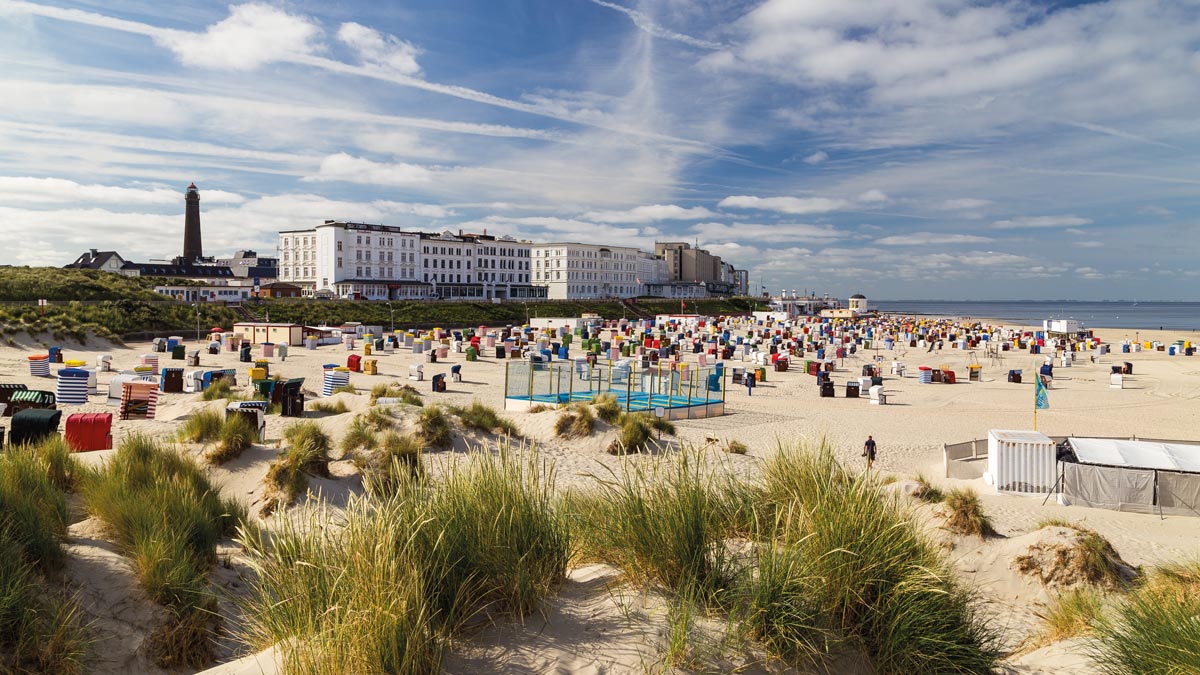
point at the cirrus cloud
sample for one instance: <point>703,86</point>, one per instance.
<point>789,205</point>
<point>649,214</point>
<point>1035,222</point>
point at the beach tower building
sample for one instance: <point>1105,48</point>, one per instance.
<point>192,248</point>
<point>858,304</point>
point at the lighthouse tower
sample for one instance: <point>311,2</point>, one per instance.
<point>192,249</point>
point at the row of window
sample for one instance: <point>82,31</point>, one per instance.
<point>483,277</point>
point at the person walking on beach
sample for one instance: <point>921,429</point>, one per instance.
<point>869,452</point>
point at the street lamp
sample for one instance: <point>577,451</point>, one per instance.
<point>392,313</point>
<point>197,306</point>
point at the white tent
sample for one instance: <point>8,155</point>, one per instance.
<point>1137,454</point>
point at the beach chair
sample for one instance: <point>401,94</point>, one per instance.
<point>877,395</point>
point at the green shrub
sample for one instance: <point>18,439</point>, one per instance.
<point>58,461</point>
<point>202,426</point>
<point>434,428</point>
<point>346,389</point>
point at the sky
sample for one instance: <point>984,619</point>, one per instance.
<point>905,149</point>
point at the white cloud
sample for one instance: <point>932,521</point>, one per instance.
<point>348,168</point>
<point>873,197</point>
<point>1033,222</point>
<point>1157,211</point>
<point>1076,231</point>
<point>400,144</point>
<point>799,233</point>
<point>253,35</point>
<point>791,205</point>
<point>816,158</point>
<point>646,24</point>
<point>964,204</point>
<point>29,190</point>
<point>376,49</point>
<point>649,214</point>
<point>930,239</point>
<point>1090,273</point>
<point>1091,243</point>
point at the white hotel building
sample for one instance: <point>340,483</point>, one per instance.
<point>378,262</point>
<point>581,271</point>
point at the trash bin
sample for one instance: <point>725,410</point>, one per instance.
<point>268,349</point>
<point>282,349</point>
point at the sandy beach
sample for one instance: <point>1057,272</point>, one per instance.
<point>1159,400</point>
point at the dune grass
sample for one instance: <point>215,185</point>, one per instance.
<point>387,590</point>
<point>307,453</point>
<point>346,389</point>
<point>40,627</point>
<point>480,417</point>
<point>221,389</point>
<point>396,462</point>
<point>964,514</point>
<point>238,432</point>
<point>663,524</point>
<point>202,426</point>
<point>862,573</point>
<point>378,418</point>
<point>1090,560</point>
<point>734,447</point>
<point>928,492</point>
<point>433,428</point>
<point>1070,614</point>
<point>57,460</point>
<point>607,408</point>
<point>167,518</point>
<point>329,407</point>
<point>575,422</point>
<point>360,436</point>
<point>637,433</point>
<point>1153,631</point>
<point>405,392</point>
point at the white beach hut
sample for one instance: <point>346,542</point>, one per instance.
<point>1021,462</point>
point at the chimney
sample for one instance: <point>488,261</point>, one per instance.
<point>95,253</point>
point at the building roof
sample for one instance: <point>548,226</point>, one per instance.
<point>1163,456</point>
<point>173,270</point>
<point>858,296</point>
<point>94,260</point>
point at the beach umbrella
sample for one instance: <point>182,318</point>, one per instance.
<point>217,329</point>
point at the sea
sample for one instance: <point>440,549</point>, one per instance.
<point>1184,316</point>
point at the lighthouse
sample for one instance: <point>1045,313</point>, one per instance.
<point>192,249</point>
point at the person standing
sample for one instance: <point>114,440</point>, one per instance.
<point>869,452</point>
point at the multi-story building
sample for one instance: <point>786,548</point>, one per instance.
<point>355,260</point>
<point>378,262</point>
<point>572,271</point>
<point>742,280</point>
<point>696,266</point>
<point>651,273</point>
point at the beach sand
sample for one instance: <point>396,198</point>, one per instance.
<point>584,630</point>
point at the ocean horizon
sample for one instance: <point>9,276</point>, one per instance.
<point>1131,314</point>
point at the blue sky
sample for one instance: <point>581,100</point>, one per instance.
<point>903,149</point>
